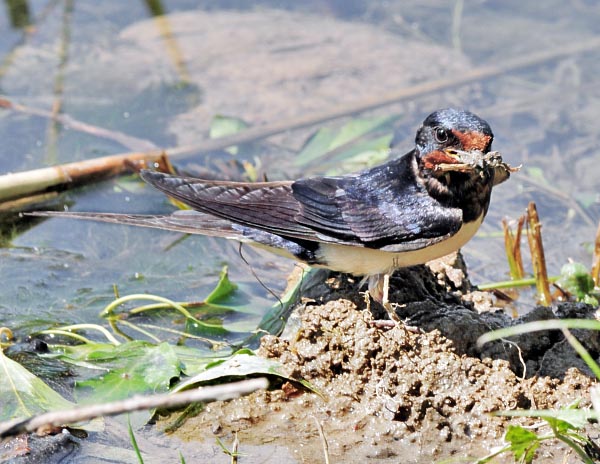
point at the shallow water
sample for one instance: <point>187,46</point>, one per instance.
<point>162,79</point>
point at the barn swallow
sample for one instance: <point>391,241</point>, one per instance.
<point>407,211</point>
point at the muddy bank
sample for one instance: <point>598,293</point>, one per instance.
<point>417,395</point>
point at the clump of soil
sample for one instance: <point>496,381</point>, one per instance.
<point>419,393</point>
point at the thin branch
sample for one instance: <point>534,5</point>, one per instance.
<point>136,403</point>
<point>128,141</point>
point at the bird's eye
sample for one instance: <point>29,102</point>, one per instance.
<point>441,135</point>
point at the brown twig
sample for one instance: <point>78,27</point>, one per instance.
<point>559,194</point>
<point>512,245</point>
<point>425,88</point>
<point>538,259</point>
<point>22,204</point>
<point>136,403</point>
<point>128,141</point>
<point>324,443</point>
<point>596,259</point>
<point>517,247</point>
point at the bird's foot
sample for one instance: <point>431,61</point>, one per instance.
<point>379,289</point>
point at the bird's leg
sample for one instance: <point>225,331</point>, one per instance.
<point>379,289</point>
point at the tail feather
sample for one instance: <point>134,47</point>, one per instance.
<point>189,222</point>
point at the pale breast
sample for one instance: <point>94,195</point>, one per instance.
<point>366,261</point>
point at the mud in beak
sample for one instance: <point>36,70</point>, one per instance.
<point>477,161</point>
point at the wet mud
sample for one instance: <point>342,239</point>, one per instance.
<point>418,392</point>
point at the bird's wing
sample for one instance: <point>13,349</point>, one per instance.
<point>378,209</point>
<point>371,209</point>
<point>268,206</point>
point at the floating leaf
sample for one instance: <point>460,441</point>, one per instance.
<point>82,355</point>
<point>239,365</point>
<point>358,127</point>
<point>194,360</point>
<point>222,126</point>
<point>317,146</point>
<point>325,140</point>
<point>362,155</point>
<point>135,367</point>
<point>223,289</point>
<point>23,394</point>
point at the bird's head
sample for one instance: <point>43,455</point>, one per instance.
<point>453,149</point>
<point>448,132</point>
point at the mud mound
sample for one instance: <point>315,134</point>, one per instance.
<point>396,393</point>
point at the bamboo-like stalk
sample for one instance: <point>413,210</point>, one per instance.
<point>37,181</point>
<point>21,204</point>
<point>512,246</point>
<point>517,247</point>
<point>596,259</point>
<point>538,259</point>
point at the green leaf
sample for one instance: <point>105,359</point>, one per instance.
<point>536,174</point>
<point>195,359</point>
<point>81,355</point>
<point>523,443</point>
<point>362,155</point>
<point>316,146</point>
<point>134,368</point>
<point>570,418</point>
<point>133,441</point>
<point>326,139</point>
<point>239,365</point>
<point>23,394</point>
<point>575,278</point>
<point>559,425</point>
<point>222,126</point>
<point>223,289</point>
<point>358,127</point>
<point>277,317</point>
<point>207,327</point>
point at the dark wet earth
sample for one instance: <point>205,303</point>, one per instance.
<point>416,395</point>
